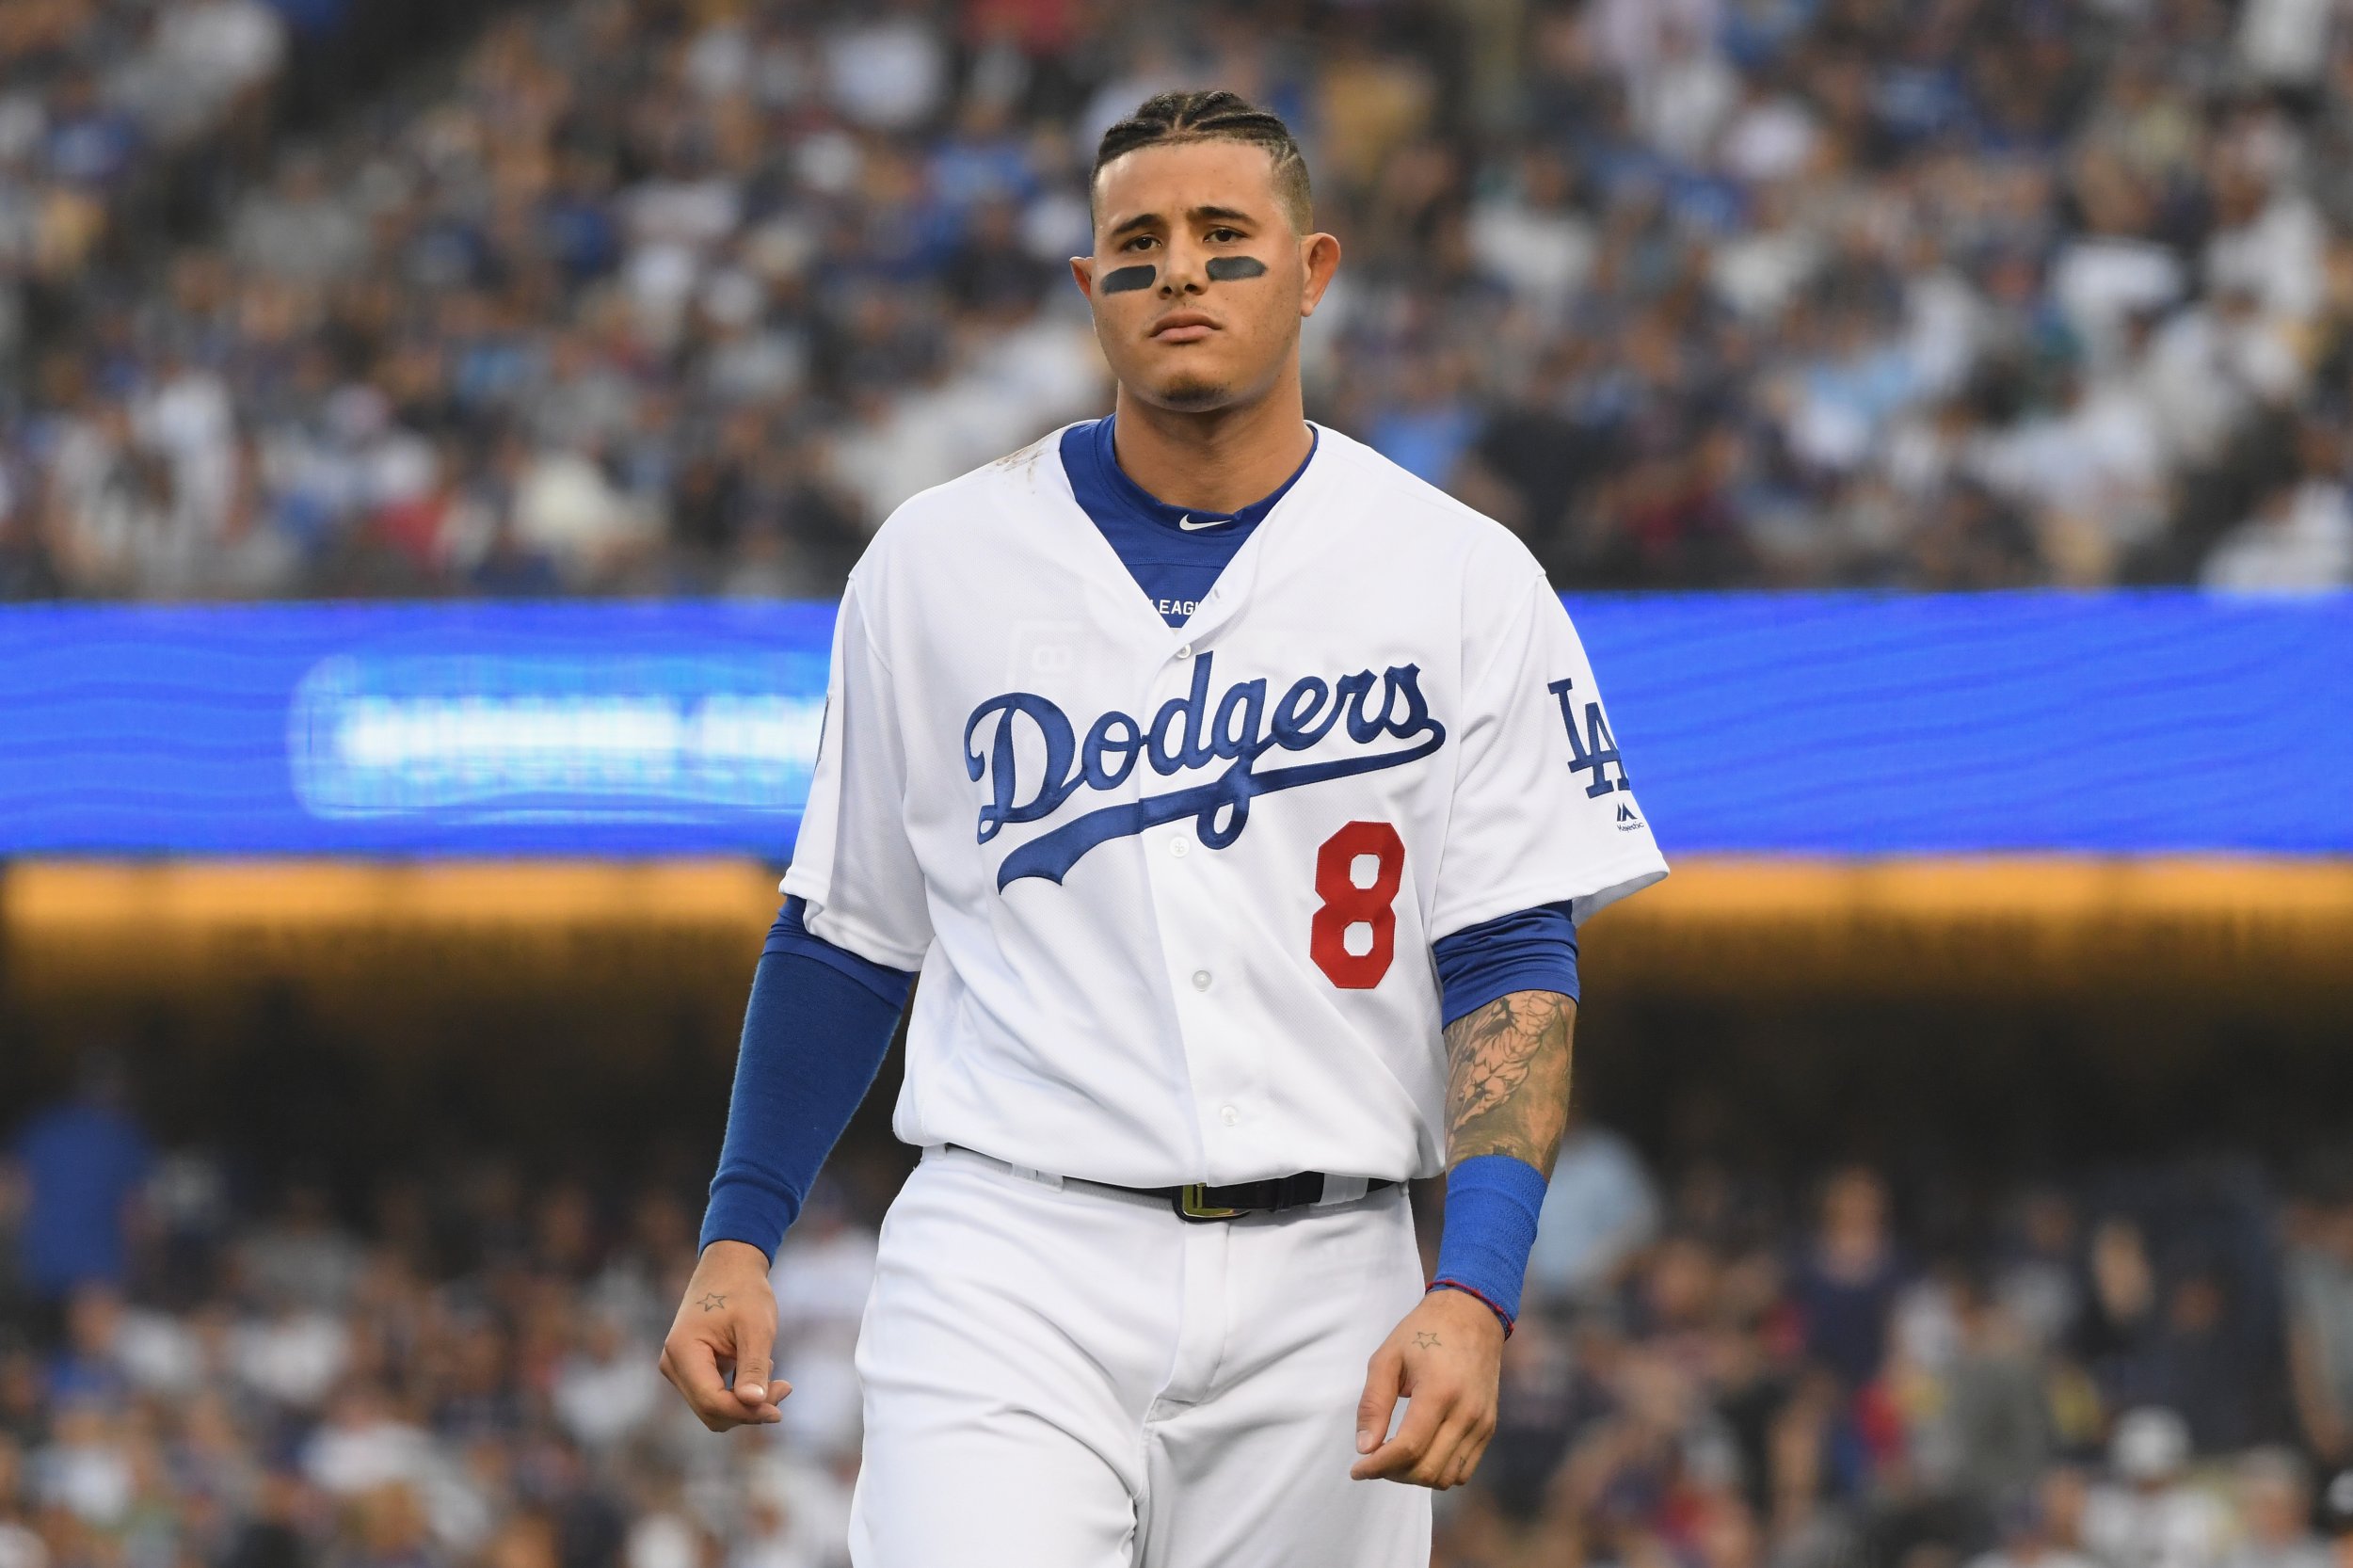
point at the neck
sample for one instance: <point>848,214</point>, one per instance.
<point>1217,460</point>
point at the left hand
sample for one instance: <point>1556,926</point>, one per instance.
<point>1446,1358</point>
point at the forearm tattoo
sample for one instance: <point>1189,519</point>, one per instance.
<point>1508,1078</point>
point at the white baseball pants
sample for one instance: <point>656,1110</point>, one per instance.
<point>1065,1377</point>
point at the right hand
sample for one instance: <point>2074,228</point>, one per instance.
<point>1446,1359</point>
<point>726,1323</point>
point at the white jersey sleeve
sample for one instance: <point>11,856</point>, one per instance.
<point>1543,810</point>
<point>854,862</point>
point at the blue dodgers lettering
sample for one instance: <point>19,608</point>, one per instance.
<point>1054,786</point>
<point>1165,755</point>
<point>1113,735</point>
<point>1187,735</point>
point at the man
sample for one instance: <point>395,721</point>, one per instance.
<point>84,1161</point>
<point>2153,1514</point>
<point>2336,1517</point>
<point>1208,766</point>
<point>2275,1514</point>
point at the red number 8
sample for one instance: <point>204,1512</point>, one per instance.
<point>1345,903</point>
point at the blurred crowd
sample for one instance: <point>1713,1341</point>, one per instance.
<point>97,99</point>
<point>683,295</point>
<point>453,1367</point>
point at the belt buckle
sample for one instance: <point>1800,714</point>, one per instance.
<point>1193,1204</point>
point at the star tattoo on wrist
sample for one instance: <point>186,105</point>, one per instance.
<point>1424,1338</point>
<point>712,1302</point>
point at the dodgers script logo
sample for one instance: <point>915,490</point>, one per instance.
<point>1184,736</point>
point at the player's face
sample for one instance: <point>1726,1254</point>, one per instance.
<point>1198,280</point>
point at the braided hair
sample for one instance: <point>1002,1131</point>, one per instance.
<point>1214,115</point>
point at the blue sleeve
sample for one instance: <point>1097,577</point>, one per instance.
<point>789,935</point>
<point>1534,949</point>
<point>815,1032</point>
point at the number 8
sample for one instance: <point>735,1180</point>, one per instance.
<point>1347,904</point>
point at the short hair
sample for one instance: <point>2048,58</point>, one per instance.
<point>1168,119</point>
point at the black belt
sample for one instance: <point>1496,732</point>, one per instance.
<point>1200,1202</point>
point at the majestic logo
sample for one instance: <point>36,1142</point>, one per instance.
<point>1185,735</point>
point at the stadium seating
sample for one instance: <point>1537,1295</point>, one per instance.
<point>649,297</point>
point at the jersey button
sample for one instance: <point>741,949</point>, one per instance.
<point>1228,1115</point>
<point>1184,650</point>
<point>1200,979</point>
<point>1180,847</point>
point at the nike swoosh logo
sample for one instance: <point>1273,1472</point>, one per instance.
<point>1192,527</point>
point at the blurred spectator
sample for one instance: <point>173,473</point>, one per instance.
<point>2275,1515</point>
<point>20,1546</point>
<point>202,58</point>
<point>2299,540</point>
<point>302,1257</point>
<point>607,1389</point>
<point>1600,1210</point>
<point>82,1162</point>
<point>2153,1514</point>
<point>85,1369</point>
<point>1847,1278</point>
<point>822,1276</point>
<point>300,232</point>
<point>2319,1271</point>
<point>1999,1411</point>
<point>2120,1326</point>
<point>2205,1367</point>
<point>2336,1514</point>
<point>2036,1281</point>
<point>2036,1527</point>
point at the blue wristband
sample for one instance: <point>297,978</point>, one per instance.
<point>1492,1201</point>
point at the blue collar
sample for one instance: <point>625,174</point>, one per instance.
<point>1104,488</point>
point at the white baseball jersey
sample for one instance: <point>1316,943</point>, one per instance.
<point>1171,891</point>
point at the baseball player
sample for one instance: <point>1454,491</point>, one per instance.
<point>1236,797</point>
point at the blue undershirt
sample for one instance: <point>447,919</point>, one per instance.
<point>1173,552</point>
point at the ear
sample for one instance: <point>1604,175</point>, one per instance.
<point>1082,274</point>
<point>1318,259</point>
